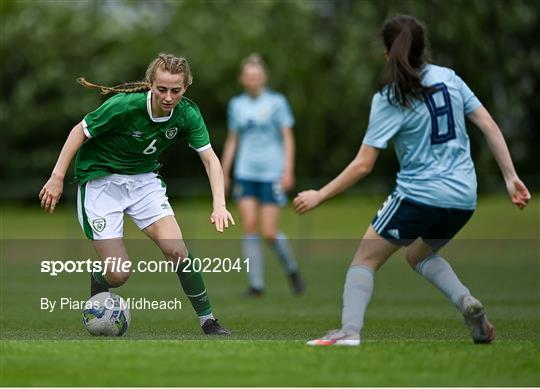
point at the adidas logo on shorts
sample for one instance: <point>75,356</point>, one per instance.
<point>394,232</point>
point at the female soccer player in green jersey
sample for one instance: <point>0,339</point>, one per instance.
<point>422,108</point>
<point>117,147</point>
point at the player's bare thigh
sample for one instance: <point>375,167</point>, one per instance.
<point>248,208</point>
<point>373,250</point>
<point>166,233</point>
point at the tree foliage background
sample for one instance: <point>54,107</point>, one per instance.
<point>325,55</point>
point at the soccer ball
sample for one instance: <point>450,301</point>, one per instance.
<point>106,314</point>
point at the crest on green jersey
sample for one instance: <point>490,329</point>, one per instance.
<point>99,224</point>
<point>171,132</point>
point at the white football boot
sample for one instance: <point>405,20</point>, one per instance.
<point>482,331</point>
<point>342,337</point>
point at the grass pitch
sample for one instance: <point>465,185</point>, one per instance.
<point>412,335</point>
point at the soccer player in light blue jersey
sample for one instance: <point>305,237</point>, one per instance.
<point>261,144</point>
<point>422,109</point>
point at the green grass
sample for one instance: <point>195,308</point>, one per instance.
<point>343,218</point>
<point>269,363</point>
<point>412,335</point>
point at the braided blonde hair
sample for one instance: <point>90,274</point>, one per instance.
<point>167,62</point>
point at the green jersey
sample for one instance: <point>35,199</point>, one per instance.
<point>124,137</point>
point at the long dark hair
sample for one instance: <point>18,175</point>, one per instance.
<point>406,46</point>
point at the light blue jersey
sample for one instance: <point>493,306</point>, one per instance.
<point>259,122</point>
<point>430,140</point>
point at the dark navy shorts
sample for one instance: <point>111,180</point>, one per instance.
<point>264,192</point>
<point>401,221</point>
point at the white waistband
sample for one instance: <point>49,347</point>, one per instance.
<point>123,178</point>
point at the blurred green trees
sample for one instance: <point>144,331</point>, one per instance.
<point>324,55</point>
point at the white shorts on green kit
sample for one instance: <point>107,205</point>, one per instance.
<point>102,203</point>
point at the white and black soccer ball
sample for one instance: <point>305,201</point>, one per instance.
<point>106,314</point>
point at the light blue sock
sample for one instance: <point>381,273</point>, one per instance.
<point>251,245</point>
<point>356,296</point>
<point>439,272</point>
<point>283,250</point>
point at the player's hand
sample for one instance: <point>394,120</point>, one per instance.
<point>220,218</point>
<point>287,182</point>
<point>306,201</point>
<point>50,193</point>
<point>518,192</point>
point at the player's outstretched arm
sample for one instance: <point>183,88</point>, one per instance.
<point>287,181</point>
<point>52,190</point>
<point>220,217</point>
<point>360,167</point>
<point>229,150</point>
<point>518,192</point>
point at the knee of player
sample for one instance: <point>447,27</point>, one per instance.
<point>178,254</point>
<point>414,258</point>
<point>250,228</point>
<point>412,263</point>
<point>116,279</point>
<point>368,264</point>
<point>269,235</point>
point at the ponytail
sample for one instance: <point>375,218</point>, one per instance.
<point>128,87</point>
<point>167,62</point>
<point>405,42</point>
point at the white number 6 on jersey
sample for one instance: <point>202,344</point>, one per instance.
<point>150,149</point>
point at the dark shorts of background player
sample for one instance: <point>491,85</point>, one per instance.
<point>263,191</point>
<point>401,222</point>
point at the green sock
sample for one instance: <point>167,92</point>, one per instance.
<point>193,285</point>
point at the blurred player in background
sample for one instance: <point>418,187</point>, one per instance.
<point>117,149</point>
<point>261,144</point>
<point>422,109</point>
